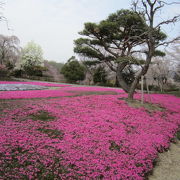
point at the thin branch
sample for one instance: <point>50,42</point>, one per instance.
<point>173,20</point>
<point>149,2</point>
<point>135,5</point>
<point>110,65</point>
<point>170,3</point>
<point>138,51</point>
<point>154,2</point>
<point>168,42</point>
<point>146,9</point>
<point>158,7</point>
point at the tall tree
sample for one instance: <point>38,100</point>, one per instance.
<point>117,40</point>
<point>150,9</point>
<point>9,50</point>
<point>173,54</point>
<point>1,14</point>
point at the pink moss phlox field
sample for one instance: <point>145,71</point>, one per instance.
<point>96,89</point>
<point>101,137</point>
<point>35,83</point>
<point>64,91</point>
<point>30,94</point>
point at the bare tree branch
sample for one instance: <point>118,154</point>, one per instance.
<point>166,43</point>
<point>159,7</point>
<point>146,9</point>
<point>173,20</point>
<point>170,3</point>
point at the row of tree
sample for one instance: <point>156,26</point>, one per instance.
<point>15,59</point>
<point>26,62</point>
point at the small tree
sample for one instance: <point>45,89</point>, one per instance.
<point>3,71</point>
<point>32,59</point>
<point>32,55</point>
<point>9,51</point>
<point>73,71</point>
<point>159,72</point>
<point>173,55</point>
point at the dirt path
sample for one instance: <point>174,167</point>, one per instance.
<point>168,165</point>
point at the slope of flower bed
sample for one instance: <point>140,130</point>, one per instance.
<point>64,91</point>
<point>89,137</point>
<point>33,94</point>
<point>35,83</point>
<point>82,89</point>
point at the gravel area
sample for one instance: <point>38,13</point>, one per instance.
<point>168,165</point>
<point>20,87</point>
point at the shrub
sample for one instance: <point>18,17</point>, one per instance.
<point>73,71</point>
<point>3,71</point>
<point>17,73</point>
<point>34,70</point>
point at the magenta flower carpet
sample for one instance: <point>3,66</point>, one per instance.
<point>65,134</point>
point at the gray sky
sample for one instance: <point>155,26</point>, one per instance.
<point>54,24</point>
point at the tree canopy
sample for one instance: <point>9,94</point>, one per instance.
<point>32,60</point>
<point>118,36</point>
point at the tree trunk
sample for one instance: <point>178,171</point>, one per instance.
<point>120,78</point>
<point>117,82</point>
<point>133,88</point>
<point>136,80</point>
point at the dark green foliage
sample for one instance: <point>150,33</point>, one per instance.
<point>100,75</point>
<point>90,63</point>
<point>34,70</point>
<point>17,73</point>
<point>159,53</point>
<point>73,71</point>
<point>128,75</point>
<point>130,60</point>
<point>3,71</point>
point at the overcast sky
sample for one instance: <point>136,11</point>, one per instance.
<point>54,24</point>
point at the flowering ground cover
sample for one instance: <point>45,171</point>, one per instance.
<point>85,136</point>
<point>33,94</point>
<point>65,90</point>
<point>35,83</point>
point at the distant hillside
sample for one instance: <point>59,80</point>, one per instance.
<point>54,69</point>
